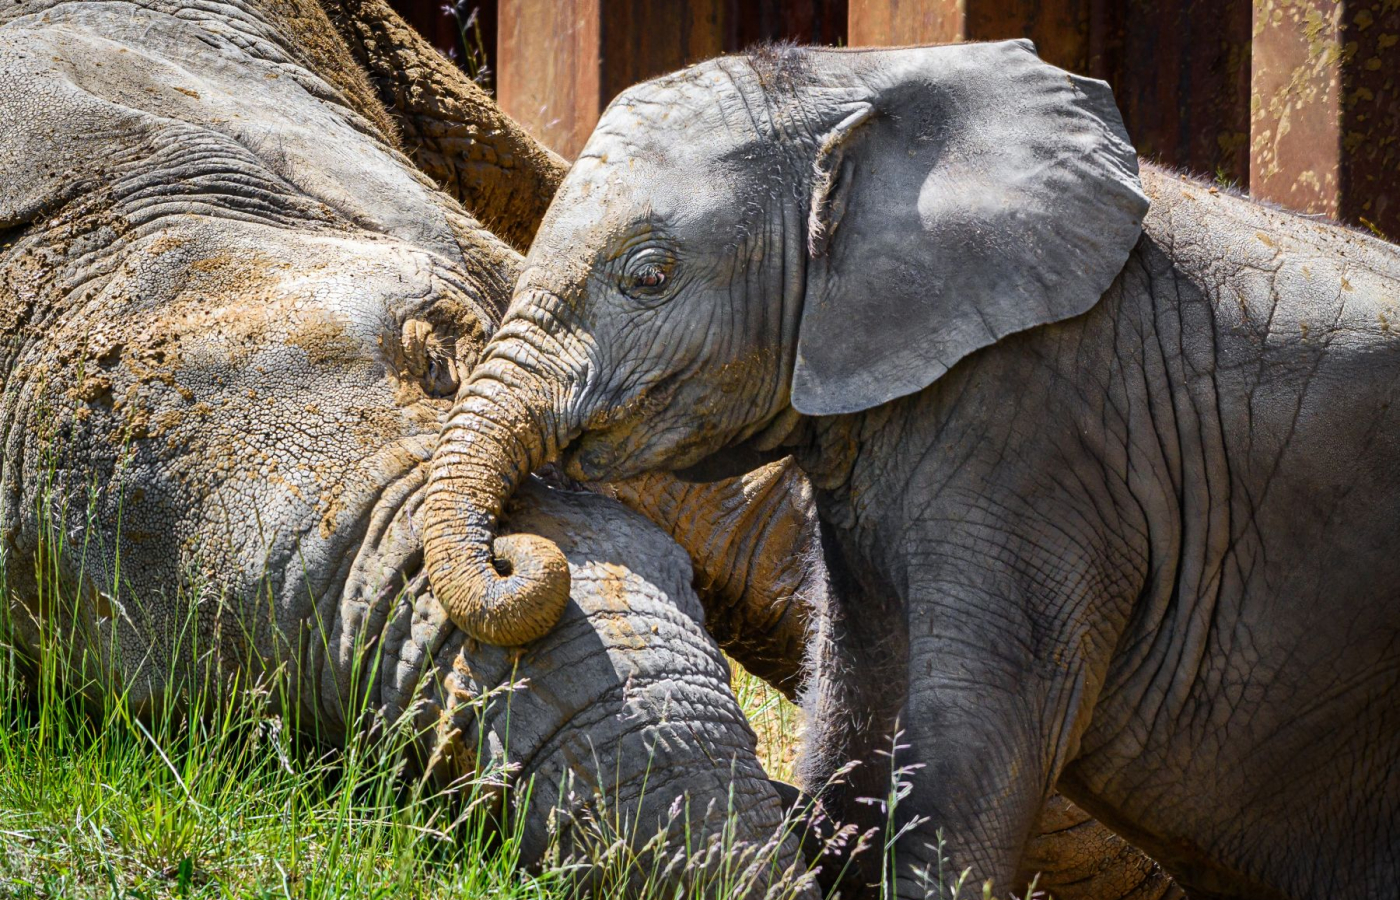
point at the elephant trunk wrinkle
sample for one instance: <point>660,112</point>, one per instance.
<point>502,589</point>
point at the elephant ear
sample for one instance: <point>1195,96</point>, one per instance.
<point>973,191</point>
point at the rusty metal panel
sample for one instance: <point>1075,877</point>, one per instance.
<point>1295,145</point>
<point>562,61</point>
<point>1325,124</point>
<point>892,23</point>
<point>549,78</point>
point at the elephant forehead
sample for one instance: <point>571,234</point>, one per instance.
<point>705,101</point>
<point>620,191</point>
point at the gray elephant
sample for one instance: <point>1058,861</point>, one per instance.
<point>1105,460</point>
<point>234,315</point>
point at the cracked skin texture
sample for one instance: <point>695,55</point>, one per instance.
<point>234,314</point>
<point>249,363</point>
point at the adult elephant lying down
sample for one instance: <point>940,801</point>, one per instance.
<point>233,316</point>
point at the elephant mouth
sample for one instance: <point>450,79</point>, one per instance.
<point>604,456</point>
<point>625,451</point>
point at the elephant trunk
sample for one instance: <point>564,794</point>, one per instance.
<point>510,589</point>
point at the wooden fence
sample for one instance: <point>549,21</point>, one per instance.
<point>1297,101</point>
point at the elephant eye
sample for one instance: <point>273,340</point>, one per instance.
<point>648,275</point>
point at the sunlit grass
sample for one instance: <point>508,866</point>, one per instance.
<point>231,806</point>
<point>777,723</point>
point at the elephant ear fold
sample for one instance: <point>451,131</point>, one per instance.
<point>976,192</point>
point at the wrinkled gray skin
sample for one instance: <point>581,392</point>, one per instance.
<point>1109,494</point>
<point>233,318</point>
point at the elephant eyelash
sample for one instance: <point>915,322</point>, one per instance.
<point>651,277</point>
<point>648,277</point>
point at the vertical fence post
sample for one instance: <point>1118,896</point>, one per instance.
<point>561,61</point>
<point>1294,146</point>
<point>894,23</point>
<point>1325,128</point>
<point>548,80</point>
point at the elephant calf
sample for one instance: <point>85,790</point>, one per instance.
<point>1107,462</point>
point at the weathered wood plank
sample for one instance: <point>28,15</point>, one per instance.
<point>549,75</point>
<point>1325,129</point>
<point>894,23</point>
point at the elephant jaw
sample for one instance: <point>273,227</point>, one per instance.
<point>625,442</point>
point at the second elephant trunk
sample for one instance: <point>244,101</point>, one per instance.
<point>510,589</point>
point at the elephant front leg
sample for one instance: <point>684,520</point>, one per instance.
<point>858,659</point>
<point>1004,668</point>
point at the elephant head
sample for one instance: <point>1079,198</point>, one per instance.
<point>761,238</point>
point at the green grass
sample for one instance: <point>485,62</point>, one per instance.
<point>225,803</point>
<point>776,722</point>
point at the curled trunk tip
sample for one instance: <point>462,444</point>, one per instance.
<point>509,589</point>
<point>515,597</point>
